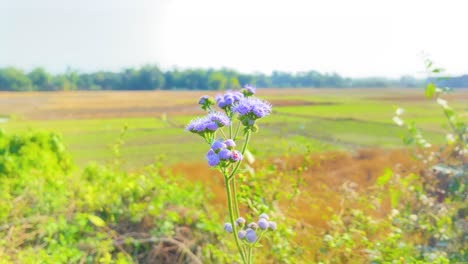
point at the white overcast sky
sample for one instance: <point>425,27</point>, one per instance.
<point>352,38</point>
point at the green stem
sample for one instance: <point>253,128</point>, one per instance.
<point>250,255</point>
<point>231,216</point>
<point>234,194</point>
<point>237,130</point>
<point>222,132</point>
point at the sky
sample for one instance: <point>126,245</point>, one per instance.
<point>353,38</point>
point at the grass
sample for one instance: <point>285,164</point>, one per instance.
<point>303,119</point>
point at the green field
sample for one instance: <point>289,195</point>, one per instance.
<point>303,119</point>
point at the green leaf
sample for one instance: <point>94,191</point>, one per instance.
<point>97,221</point>
<point>382,180</point>
<point>430,90</point>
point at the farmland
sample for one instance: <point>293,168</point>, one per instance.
<point>303,119</point>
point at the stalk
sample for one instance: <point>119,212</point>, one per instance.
<point>250,255</point>
<point>234,194</point>
<point>231,216</point>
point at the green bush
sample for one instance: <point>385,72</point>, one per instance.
<point>52,214</point>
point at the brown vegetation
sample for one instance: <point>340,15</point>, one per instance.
<point>119,104</point>
<point>325,179</point>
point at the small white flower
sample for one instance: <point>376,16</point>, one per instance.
<point>394,213</point>
<point>327,238</point>
<point>442,102</point>
<point>450,139</point>
<point>399,111</point>
<point>413,217</point>
<point>398,121</point>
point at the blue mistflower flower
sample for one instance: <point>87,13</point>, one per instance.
<point>228,227</point>
<point>241,234</point>
<point>272,225</point>
<point>224,154</point>
<point>203,100</point>
<point>263,215</point>
<point>250,235</point>
<point>240,221</point>
<point>251,109</point>
<point>206,102</point>
<point>252,225</point>
<point>248,90</point>
<point>213,159</point>
<point>230,143</point>
<point>208,123</point>
<point>263,223</point>
<point>218,145</point>
<point>219,118</point>
<point>228,99</point>
<point>236,156</point>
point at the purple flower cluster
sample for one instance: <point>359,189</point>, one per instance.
<point>250,232</point>
<point>203,99</point>
<point>206,102</point>
<point>226,100</point>
<point>222,152</point>
<point>251,109</point>
<point>248,90</point>
<point>208,123</point>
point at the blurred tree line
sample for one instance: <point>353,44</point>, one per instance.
<point>150,77</point>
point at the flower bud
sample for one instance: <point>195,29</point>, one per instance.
<point>203,100</point>
<point>228,227</point>
<point>218,145</point>
<point>272,225</point>
<point>252,225</point>
<point>213,159</point>
<point>241,234</point>
<point>240,221</point>
<point>264,216</point>
<point>236,156</point>
<point>263,223</point>
<point>251,236</point>
<point>224,154</point>
<point>230,144</point>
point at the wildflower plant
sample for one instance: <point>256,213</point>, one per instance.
<point>222,131</point>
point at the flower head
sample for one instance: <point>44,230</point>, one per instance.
<point>208,123</point>
<point>250,235</point>
<point>263,223</point>
<point>240,221</point>
<point>272,225</point>
<point>213,159</point>
<point>224,154</point>
<point>248,90</point>
<point>241,234</point>
<point>228,227</point>
<point>251,109</point>
<point>230,143</point>
<point>203,99</point>
<point>252,225</point>
<point>219,118</point>
<point>264,216</point>
<point>218,145</point>
<point>228,99</point>
<point>236,156</point>
<point>206,102</point>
